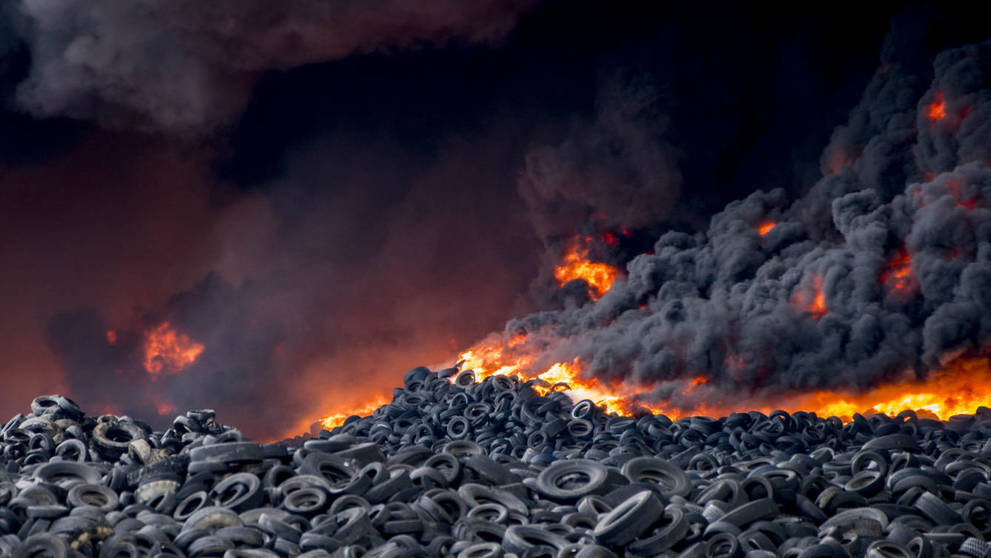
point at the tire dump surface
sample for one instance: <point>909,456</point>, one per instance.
<point>493,469</point>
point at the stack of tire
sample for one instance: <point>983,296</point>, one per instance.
<point>459,467</point>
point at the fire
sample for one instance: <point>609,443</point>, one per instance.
<point>937,109</point>
<point>495,358</point>
<point>814,304</point>
<point>168,351</point>
<point>576,265</point>
<point>111,337</point>
<point>959,388</point>
<point>766,227</point>
<point>898,275</point>
<point>332,421</point>
<point>164,408</point>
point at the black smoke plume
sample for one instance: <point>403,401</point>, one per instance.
<point>896,237</point>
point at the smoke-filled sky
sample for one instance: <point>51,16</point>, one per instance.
<point>325,194</point>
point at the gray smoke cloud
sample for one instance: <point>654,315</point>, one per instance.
<point>740,308</point>
<point>185,64</point>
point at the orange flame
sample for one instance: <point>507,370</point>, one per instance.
<point>576,265</point>
<point>168,351</point>
<point>111,337</point>
<point>332,421</point>
<point>958,388</point>
<point>766,227</point>
<point>937,109</point>
<point>898,274</point>
<point>814,304</point>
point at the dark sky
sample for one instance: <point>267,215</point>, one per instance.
<point>326,198</point>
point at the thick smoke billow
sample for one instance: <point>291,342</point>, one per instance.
<point>187,64</point>
<point>882,269</point>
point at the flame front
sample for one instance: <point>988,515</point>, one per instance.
<point>332,421</point>
<point>168,351</point>
<point>955,389</point>
<point>766,227</point>
<point>576,265</point>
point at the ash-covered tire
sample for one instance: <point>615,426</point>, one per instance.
<point>888,549</point>
<point>111,438</point>
<point>629,519</point>
<point>482,550</point>
<point>750,512</point>
<point>935,509</point>
<point>668,479</point>
<point>228,452</point>
<point>212,518</point>
<point>238,492</point>
<point>67,473</point>
<point>570,480</point>
<point>662,535</point>
<point>97,495</point>
<point>525,538</point>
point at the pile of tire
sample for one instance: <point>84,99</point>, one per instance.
<point>472,469</point>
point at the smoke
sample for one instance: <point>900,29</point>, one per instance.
<point>185,65</point>
<point>306,300</point>
<point>342,221</point>
<point>882,269</point>
<point>615,172</point>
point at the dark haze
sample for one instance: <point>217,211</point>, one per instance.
<point>327,194</point>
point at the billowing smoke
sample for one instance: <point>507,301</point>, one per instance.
<point>882,269</point>
<point>379,184</point>
<point>188,64</point>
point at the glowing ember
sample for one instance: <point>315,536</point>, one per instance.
<point>766,227</point>
<point>576,265</point>
<point>813,302</point>
<point>937,109</point>
<point>337,419</point>
<point>111,337</point>
<point>898,275</point>
<point>164,408</point>
<point>168,351</point>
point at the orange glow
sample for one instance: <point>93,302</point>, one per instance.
<point>815,302</point>
<point>576,265</point>
<point>168,351</point>
<point>898,275</point>
<point>937,109</point>
<point>332,421</point>
<point>111,337</point>
<point>958,388</point>
<point>766,227</point>
<point>164,408</point>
